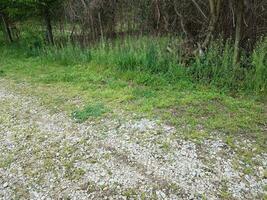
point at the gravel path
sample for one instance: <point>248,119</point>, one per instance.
<point>46,155</point>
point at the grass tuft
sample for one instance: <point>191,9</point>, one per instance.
<point>2,73</point>
<point>94,110</point>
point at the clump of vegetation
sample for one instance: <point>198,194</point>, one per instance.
<point>144,54</point>
<point>257,75</point>
<point>148,55</point>
<point>68,55</point>
<point>94,110</point>
<point>2,73</point>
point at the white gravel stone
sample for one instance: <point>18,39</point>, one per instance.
<point>46,155</point>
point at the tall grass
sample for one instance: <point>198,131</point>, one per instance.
<point>142,54</point>
<point>215,67</point>
<point>257,75</point>
<point>69,55</point>
<point>149,54</point>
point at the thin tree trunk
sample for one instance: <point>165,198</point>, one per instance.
<point>238,32</point>
<point>92,27</point>
<point>100,26</point>
<point>215,6</point>
<point>6,28</point>
<point>48,24</point>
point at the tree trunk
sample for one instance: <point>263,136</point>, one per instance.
<point>49,31</point>
<point>6,28</point>
<point>215,6</point>
<point>101,27</point>
<point>238,31</point>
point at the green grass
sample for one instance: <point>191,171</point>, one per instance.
<point>95,110</point>
<point>149,54</point>
<point>136,76</point>
<point>257,76</point>
<point>2,73</point>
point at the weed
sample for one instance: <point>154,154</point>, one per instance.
<point>2,73</point>
<point>77,174</point>
<point>94,110</point>
<point>257,76</point>
<point>165,146</point>
<point>229,140</point>
<point>224,193</point>
<point>141,92</point>
<point>248,170</point>
<point>130,193</point>
<point>69,55</point>
<point>6,161</point>
<point>265,174</point>
<point>196,135</point>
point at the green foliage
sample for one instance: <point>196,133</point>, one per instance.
<point>257,76</point>
<point>148,55</point>
<point>2,73</point>
<point>143,93</point>
<point>32,42</point>
<point>142,54</point>
<point>68,55</point>
<point>127,60</point>
<point>94,110</point>
<point>215,67</point>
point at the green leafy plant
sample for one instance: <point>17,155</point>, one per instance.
<point>68,55</point>
<point>257,76</point>
<point>2,73</point>
<point>94,110</point>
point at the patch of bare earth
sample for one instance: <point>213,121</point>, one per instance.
<point>46,155</point>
